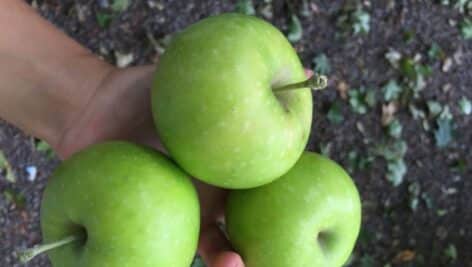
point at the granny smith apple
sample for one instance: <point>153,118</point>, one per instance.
<point>309,217</point>
<point>219,103</point>
<point>119,205</point>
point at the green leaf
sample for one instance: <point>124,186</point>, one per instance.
<point>3,161</point>
<point>361,99</point>
<point>367,261</point>
<point>245,7</point>
<point>407,67</point>
<point>198,262</point>
<point>357,162</point>
<point>393,150</point>
<point>295,30</point>
<point>460,165</point>
<point>396,170</point>
<point>435,52</point>
<point>42,146</point>
<point>391,91</point>
<point>361,21</point>
<point>322,65</point>
<point>443,133</point>
<point>18,199</point>
<point>465,106</point>
<point>325,149</point>
<point>427,200</point>
<point>409,36</point>
<point>446,113</point>
<point>451,252</point>
<point>357,100</point>
<point>393,57</point>
<point>103,19</point>
<point>466,29</point>
<point>441,212</point>
<point>5,165</point>
<point>463,5</point>
<point>370,98</point>
<point>335,114</point>
<point>120,5</point>
<point>414,190</point>
<point>394,129</point>
<point>434,107</point>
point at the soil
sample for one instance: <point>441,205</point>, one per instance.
<point>437,232</point>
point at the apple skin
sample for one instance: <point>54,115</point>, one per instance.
<point>309,217</point>
<point>137,208</point>
<point>214,107</point>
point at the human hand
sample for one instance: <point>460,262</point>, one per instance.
<point>121,109</point>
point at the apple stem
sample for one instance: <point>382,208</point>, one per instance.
<point>28,254</point>
<point>315,82</point>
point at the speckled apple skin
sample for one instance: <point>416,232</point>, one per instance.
<point>137,207</point>
<point>310,217</point>
<point>214,107</point>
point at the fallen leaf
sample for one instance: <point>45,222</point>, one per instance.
<point>342,88</point>
<point>388,112</point>
<point>404,256</point>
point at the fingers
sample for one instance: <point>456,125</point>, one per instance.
<point>215,249</point>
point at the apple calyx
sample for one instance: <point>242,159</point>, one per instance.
<point>28,254</point>
<point>315,82</point>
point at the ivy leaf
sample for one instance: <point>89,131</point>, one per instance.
<point>18,199</point>
<point>245,7</point>
<point>465,106</point>
<point>42,146</point>
<point>362,98</point>
<point>5,165</point>
<point>443,133</point>
<point>370,98</point>
<point>435,52</point>
<point>396,170</point>
<point>367,261</point>
<point>414,190</point>
<point>392,150</point>
<point>451,252</point>
<point>103,19</point>
<point>120,5</point>
<point>466,29</point>
<point>393,57</point>
<point>295,30</point>
<point>391,91</point>
<point>356,100</point>
<point>434,107</point>
<point>325,149</point>
<point>394,129</point>
<point>361,21</point>
<point>322,65</point>
<point>335,113</point>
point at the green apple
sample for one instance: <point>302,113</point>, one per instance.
<point>117,204</point>
<point>220,105</point>
<point>311,216</point>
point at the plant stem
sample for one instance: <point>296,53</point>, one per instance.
<point>315,82</point>
<point>28,254</point>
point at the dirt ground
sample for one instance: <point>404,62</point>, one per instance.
<point>422,218</point>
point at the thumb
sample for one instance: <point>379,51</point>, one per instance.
<point>215,249</point>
